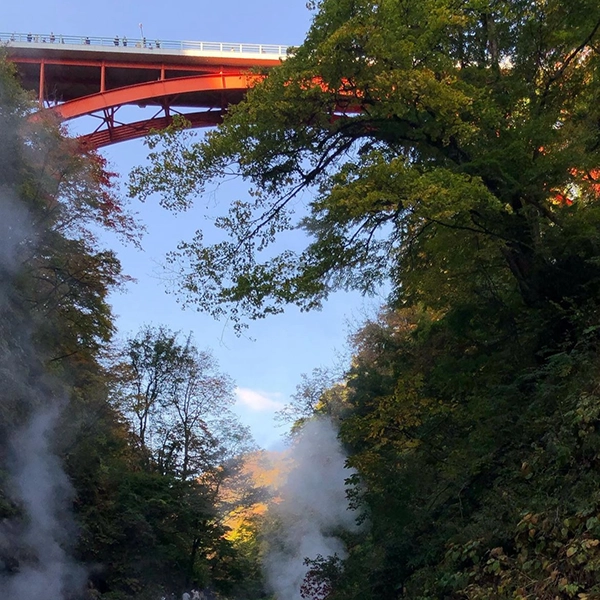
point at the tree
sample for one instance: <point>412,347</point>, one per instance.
<point>179,404</point>
<point>140,530</point>
<point>428,131</point>
<point>454,148</point>
<point>468,434</point>
<point>319,393</point>
<point>54,316</point>
<point>54,322</point>
<point>151,365</point>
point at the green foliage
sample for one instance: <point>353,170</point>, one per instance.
<point>437,138</point>
<point>179,405</point>
<point>478,459</point>
<point>142,530</point>
<point>454,148</point>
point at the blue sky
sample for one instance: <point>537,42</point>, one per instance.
<point>267,362</point>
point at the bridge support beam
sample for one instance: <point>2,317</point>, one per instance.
<point>41,94</point>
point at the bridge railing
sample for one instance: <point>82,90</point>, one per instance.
<point>136,44</point>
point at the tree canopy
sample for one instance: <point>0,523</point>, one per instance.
<point>85,510</point>
<point>447,145</point>
<point>453,148</point>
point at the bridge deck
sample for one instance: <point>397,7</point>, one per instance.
<point>77,76</point>
<point>73,69</point>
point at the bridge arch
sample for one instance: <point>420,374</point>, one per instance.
<point>212,90</point>
<point>111,131</point>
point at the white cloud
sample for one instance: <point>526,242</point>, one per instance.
<point>258,401</point>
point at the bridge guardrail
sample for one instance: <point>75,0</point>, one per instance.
<point>143,43</point>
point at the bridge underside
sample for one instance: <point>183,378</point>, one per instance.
<point>76,82</point>
<point>112,131</point>
<point>178,96</point>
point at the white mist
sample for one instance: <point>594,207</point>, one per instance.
<point>313,507</point>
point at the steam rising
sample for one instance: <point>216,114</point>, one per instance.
<point>42,489</point>
<point>15,232</point>
<point>313,509</point>
<point>35,494</point>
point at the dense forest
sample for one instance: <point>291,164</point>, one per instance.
<point>449,147</point>
<point>112,452</point>
<point>452,148</point>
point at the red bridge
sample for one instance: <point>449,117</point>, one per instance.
<point>77,76</point>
